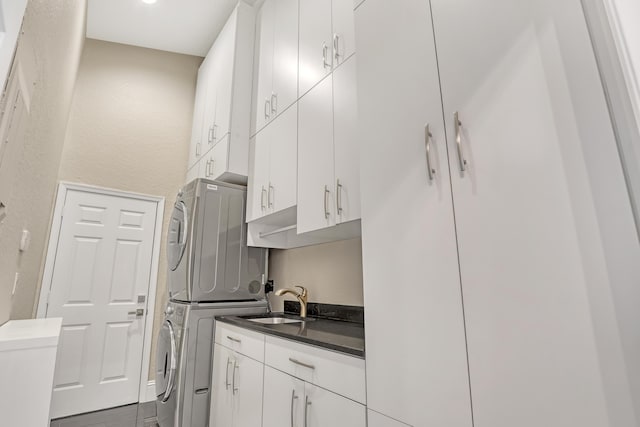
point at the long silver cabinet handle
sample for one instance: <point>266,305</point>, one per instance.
<point>235,368</point>
<point>262,205</point>
<point>339,197</point>
<point>326,201</point>
<point>211,162</point>
<point>211,134</point>
<point>207,169</point>
<point>293,397</point>
<point>234,339</point>
<point>458,127</point>
<point>336,46</point>
<point>226,377</point>
<point>274,103</point>
<point>324,56</point>
<point>307,403</point>
<point>427,142</point>
<point>269,196</point>
<point>297,362</point>
<point>197,149</point>
<point>267,108</point>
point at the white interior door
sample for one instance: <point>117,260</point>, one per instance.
<point>101,276</point>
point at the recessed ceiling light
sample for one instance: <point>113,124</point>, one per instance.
<point>149,1</point>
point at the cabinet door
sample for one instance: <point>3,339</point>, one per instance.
<point>315,51</point>
<point>316,186</point>
<point>259,149</point>
<point>224,69</point>
<point>345,142</point>
<point>283,399</point>
<point>219,159</point>
<point>285,56</point>
<point>264,63</point>
<point>247,385</point>
<point>221,388</point>
<point>416,364</point>
<point>344,40</point>
<point>283,155</point>
<point>196,148</point>
<point>324,408</point>
<point>530,102</point>
<point>211,69</point>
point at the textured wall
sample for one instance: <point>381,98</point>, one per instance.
<point>332,272</point>
<point>48,54</point>
<point>130,126</point>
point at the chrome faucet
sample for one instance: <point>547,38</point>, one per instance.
<point>301,296</point>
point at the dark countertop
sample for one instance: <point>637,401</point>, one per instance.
<point>341,336</point>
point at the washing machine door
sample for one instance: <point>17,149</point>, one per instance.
<point>177,236</point>
<point>166,362</point>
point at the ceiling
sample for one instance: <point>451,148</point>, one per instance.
<point>182,26</point>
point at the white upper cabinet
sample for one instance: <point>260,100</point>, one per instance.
<point>272,183</point>
<point>345,141</point>
<point>263,78</point>
<point>316,50</point>
<point>344,40</point>
<point>316,206</point>
<point>326,39</point>
<point>328,154</point>
<point>416,360</point>
<point>276,70</point>
<point>285,56</point>
<point>196,148</point>
<point>222,111</point>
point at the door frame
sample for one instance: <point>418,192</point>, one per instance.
<point>56,224</point>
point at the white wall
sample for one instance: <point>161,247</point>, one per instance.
<point>130,126</point>
<point>48,55</point>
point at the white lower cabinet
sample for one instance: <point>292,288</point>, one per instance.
<point>287,398</point>
<point>283,399</point>
<point>323,408</point>
<point>309,393</point>
<point>236,398</point>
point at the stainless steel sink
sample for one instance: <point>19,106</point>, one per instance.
<point>274,320</point>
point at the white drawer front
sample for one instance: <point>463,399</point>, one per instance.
<point>342,374</point>
<point>243,341</point>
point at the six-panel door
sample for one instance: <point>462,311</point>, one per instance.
<point>99,287</point>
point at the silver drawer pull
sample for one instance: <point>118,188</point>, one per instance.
<point>427,141</point>
<point>234,339</point>
<point>297,362</point>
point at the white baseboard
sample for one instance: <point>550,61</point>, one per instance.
<point>150,394</point>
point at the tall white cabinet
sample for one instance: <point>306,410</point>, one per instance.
<point>408,232</point>
<point>492,224</point>
<point>222,118</point>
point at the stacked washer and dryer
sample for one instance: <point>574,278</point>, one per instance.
<point>212,272</point>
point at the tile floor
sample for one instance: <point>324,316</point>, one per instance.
<point>136,415</point>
